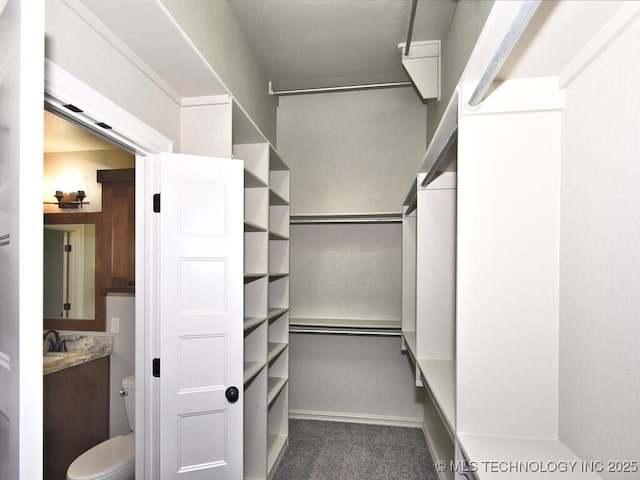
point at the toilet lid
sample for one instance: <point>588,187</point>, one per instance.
<point>104,459</point>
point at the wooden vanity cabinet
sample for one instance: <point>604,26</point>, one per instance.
<point>118,228</point>
<point>76,414</point>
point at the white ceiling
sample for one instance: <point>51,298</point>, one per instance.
<point>321,43</point>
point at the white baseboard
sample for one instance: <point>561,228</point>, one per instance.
<point>356,418</point>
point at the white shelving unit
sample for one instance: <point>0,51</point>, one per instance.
<point>510,369</point>
<point>428,305</point>
<point>266,300</point>
<point>232,133</point>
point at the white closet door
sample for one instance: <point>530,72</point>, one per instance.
<point>201,317</point>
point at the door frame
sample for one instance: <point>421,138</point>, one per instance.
<point>61,88</point>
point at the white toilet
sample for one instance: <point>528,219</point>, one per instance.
<point>113,459</point>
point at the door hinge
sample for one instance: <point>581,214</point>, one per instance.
<point>67,247</point>
<point>156,367</point>
<point>66,307</point>
<point>156,202</point>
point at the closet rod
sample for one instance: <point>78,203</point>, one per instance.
<point>330,219</point>
<point>345,331</point>
<point>516,28</point>
<point>410,32</point>
<point>365,86</point>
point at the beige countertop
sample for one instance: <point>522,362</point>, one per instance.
<point>82,349</point>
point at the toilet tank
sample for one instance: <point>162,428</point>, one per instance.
<point>129,386</point>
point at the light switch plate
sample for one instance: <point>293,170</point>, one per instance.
<point>115,325</point>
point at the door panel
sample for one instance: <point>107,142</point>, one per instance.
<point>201,309</point>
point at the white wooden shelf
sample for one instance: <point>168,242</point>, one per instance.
<point>274,387</point>
<point>279,183</point>
<point>485,450</point>
<point>250,277</point>
<point>251,370</point>
<point>275,162</point>
<point>275,449</point>
<point>252,181</point>
<point>410,342</point>
<point>276,312</point>
<point>250,227</point>
<point>274,350</point>
<point>440,376</point>
<point>266,298</point>
<point>252,322</point>
<point>256,163</point>
<point>277,236</point>
<point>276,275</point>
<point>276,199</point>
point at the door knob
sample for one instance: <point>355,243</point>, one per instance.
<point>232,394</point>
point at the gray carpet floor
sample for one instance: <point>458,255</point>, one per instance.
<point>348,451</point>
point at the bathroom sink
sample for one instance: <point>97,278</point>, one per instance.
<point>54,356</point>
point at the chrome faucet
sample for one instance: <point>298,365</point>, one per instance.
<point>55,345</point>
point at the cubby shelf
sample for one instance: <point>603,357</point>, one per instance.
<point>266,299</point>
<point>274,387</point>
<point>277,443</point>
<point>277,236</point>
<point>252,181</point>
<point>252,322</point>
<point>250,277</point>
<point>251,370</point>
<point>276,312</point>
<point>276,199</point>
<point>276,275</point>
<point>275,349</point>
<point>252,227</point>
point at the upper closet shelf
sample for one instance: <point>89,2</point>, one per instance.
<point>350,219</point>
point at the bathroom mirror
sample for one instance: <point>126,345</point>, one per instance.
<point>71,272</point>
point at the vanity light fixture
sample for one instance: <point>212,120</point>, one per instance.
<point>69,200</point>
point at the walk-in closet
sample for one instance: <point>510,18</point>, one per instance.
<point>439,233</point>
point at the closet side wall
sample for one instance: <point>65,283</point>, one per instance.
<point>214,31</point>
<point>600,261</point>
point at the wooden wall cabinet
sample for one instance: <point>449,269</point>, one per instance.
<point>76,414</point>
<point>117,255</point>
